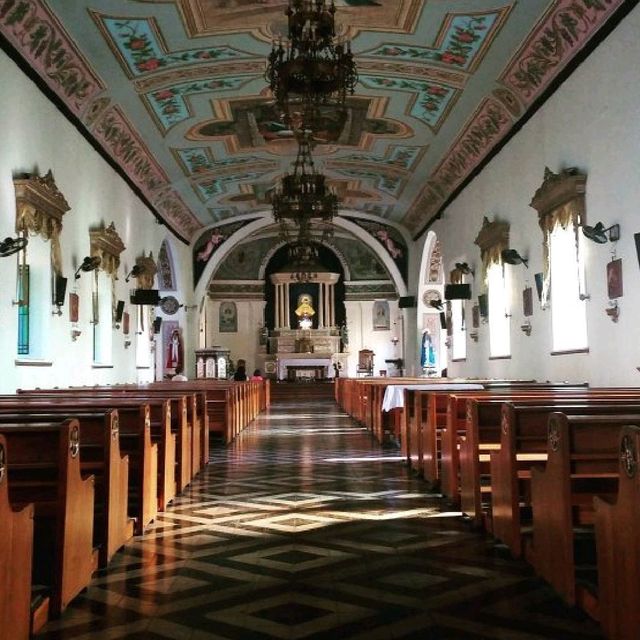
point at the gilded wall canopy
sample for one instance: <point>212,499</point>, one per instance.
<point>560,200</point>
<point>148,270</point>
<point>492,239</point>
<point>107,245</point>
<point>40,207</point>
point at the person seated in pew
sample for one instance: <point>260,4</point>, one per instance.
<point>257,376</point>
<point>179,376</point>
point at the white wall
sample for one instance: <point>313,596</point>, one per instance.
<point>590,123</point>
<point>362,335</point>
<point>245,343</point>
<point>36,137</point>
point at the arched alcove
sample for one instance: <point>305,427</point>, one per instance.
<point>328,261</point>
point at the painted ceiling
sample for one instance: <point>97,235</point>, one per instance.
<point>173,92</point>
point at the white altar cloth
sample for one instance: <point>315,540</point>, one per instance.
<point>394,393</point>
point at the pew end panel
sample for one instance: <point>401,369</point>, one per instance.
<point>16,556</point>
<point>617,527</point>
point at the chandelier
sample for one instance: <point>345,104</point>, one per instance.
<point>303,196</point>
<point>310,71</point>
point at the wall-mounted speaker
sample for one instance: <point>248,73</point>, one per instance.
<point>145,296</point>
<point>157,323</point>
<point>636,237</point>
<point>407,302</point>
<point>457,292</point>
<point>60,291</point>
<point>443,320</point>
<point>119,311</point>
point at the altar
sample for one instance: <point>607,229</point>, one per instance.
<point>297,367</point>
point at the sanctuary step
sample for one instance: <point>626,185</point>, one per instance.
<point>287,391</point>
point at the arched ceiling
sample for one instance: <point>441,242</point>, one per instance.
<point>172,91</point>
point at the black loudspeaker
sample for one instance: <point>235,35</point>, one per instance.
<point>443,320</point>
<point>145,296</point>
<point>636,237</point>
<point>407,302</point>
<point>483,305</point>
<point>60,291</point>
<point>157,323</point>
<point>457,292</point>
<point>119,310</point>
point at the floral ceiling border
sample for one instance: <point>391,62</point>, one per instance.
<point>31,28</point>
<point>566,27</point>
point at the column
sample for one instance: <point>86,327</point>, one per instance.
<point>321,306</point>
<point>277,304</point>
<point>287,307</point>
<point>332,302</point>
<point>327,311</point>
<point>282,306</point>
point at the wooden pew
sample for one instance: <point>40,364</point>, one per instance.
<point>100,455</point>
<point>582,462</point>
<point>44,468</point>
<point>483,435</point>
<point>523,443</point>
<point>617,527</point>
<point>160,425</point>
<point>16,554</point>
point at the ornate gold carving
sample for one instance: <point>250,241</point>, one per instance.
<point>107,245</point>
<point>74,442</point>
<point>148,271</point>
<point>628,455</point>
<point>492,239</point>
<point>435,263</point>
<point>39,210</point>
<point>554,435</point>
<point>558,189</point>
<point>560,200</point>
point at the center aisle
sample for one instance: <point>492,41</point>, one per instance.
<point>305,528</point>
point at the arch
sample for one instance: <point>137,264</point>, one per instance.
<point>200,290</point>
<point>376,247</point>
<point>431,283</point>
<point>281,243</point>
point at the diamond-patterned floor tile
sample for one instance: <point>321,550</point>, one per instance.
<point>304,528</point>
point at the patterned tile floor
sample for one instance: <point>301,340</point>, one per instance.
<point>305,528</point>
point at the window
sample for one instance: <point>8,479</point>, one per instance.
<point>102,312</point>
<point>143,342</point>
<point>33,288</point>
<point>568,311</point>
<point>499,324</point>
<point>459,333</point>
<point>22,300</point>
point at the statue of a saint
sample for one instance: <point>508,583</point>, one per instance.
<point>304,306</point>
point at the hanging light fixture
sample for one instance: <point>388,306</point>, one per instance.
<point>303,197</point>
<point>311,71</point>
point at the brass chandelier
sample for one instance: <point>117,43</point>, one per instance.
<point>302,197</point>
<point>311,71</point>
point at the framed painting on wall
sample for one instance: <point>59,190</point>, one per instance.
<point>74,307</point>
<point>614,278</point>
<point>228,319</point>
<point>381,316</point>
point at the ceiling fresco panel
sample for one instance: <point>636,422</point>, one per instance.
<point>266,17</point>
